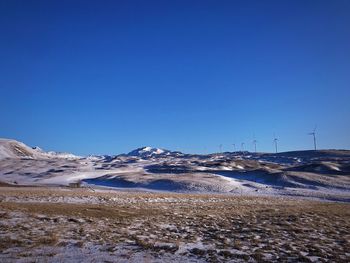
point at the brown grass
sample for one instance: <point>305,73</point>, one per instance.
<point>281,227</point>
<point>75,210</point>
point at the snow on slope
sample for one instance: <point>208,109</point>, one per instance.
<point>52,154</point>
<point>147,151</point>
<point>14,149</point>
<point>157,169</point>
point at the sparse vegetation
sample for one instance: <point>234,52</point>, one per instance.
<point>203,227</point>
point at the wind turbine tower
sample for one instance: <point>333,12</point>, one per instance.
<point>234,147</point>
<point>220,147</point>
<point>242,146</point>
<point>314,135</point>
<point>254,142</point>
<point>275,142</point>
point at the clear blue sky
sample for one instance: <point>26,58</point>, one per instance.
<point>105,77</point>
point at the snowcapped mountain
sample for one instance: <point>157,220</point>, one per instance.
<point>148,152</point>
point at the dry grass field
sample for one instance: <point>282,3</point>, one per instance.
<point>60,225</point>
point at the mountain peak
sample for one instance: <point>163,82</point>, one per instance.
<point>14,149</point>
<point>147,151</point>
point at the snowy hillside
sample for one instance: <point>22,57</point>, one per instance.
<point>14,149</point>
<point>304,173</point>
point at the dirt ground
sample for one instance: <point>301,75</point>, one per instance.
<point>80,225</point>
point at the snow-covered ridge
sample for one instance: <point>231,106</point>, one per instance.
<point>147,151</point>
<point>55,154</point>
<point>154,169</point>
<point>14,149</point>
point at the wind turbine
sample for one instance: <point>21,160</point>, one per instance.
<point>254,142</point>
<point>220,147</point>
<point>234,147</point>
<point>314,135</point>
<point>242,146</point>
<point>275,141</point>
